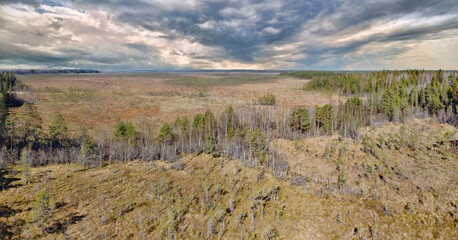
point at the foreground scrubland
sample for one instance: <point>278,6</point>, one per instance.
<point>404,188</point>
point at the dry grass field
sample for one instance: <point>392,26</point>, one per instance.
<point>98,101</point>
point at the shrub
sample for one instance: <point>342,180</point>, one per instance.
<point>25,166</point>
<point>209,144</point>
<point>271,233</point>
<point>342,178</point>
<point>298,180</point>
<point>257,144</point>
<point>179,165</point>
<point>42,209</point>
<point>268,99</point>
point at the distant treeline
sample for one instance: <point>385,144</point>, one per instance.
<point>50,71</point>
<point>365,83</point>
<point>308,74</point>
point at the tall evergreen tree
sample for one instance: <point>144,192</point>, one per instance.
<point>300,120</point>
<point>58,129</point>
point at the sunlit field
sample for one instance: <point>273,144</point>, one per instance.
<point>98,101</point>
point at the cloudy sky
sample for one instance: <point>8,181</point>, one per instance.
<point>113,35</point>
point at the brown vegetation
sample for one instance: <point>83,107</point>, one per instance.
<point>384,196</point>
<point>101,99</point>
<point>220,156</point>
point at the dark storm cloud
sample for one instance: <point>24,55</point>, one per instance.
<point>414,33</point>
<point>8,51</point>
<point>308,33</point>
<point>34,3</point>
<point>355,17</point>
<point>361,11</point>
<point>241,29</point>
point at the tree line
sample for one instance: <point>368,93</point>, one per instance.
<point>244,133</point>
<point>308,74</point>
<point>52,71</point>
<point>398,94</point>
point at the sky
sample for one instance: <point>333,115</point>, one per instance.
<point>125,35</point>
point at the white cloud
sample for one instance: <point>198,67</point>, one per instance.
<point>271,30</point>
<point>145,34</point>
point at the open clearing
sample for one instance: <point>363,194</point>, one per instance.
<point>98,101</point>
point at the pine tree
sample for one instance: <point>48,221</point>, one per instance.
<point>3,116</point>
<point>209,122</point>
<point>131,134</point>
<point>390,103</point>
<point>198,123</point>
<point>209,144</point>
<point>452,93</point>
<point>300,120</point>
<point>433,96</point>
<point>185,127</point>
<point>324,117</point>
<point>166,134</point>
<point>119,130</point>
<point>351,116</point>
<point>229,121</point>
<point>58,129</point>
<point>25,126</point>
<point>125,131</point>
<point>413,97</point>
<point>87,146</point>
